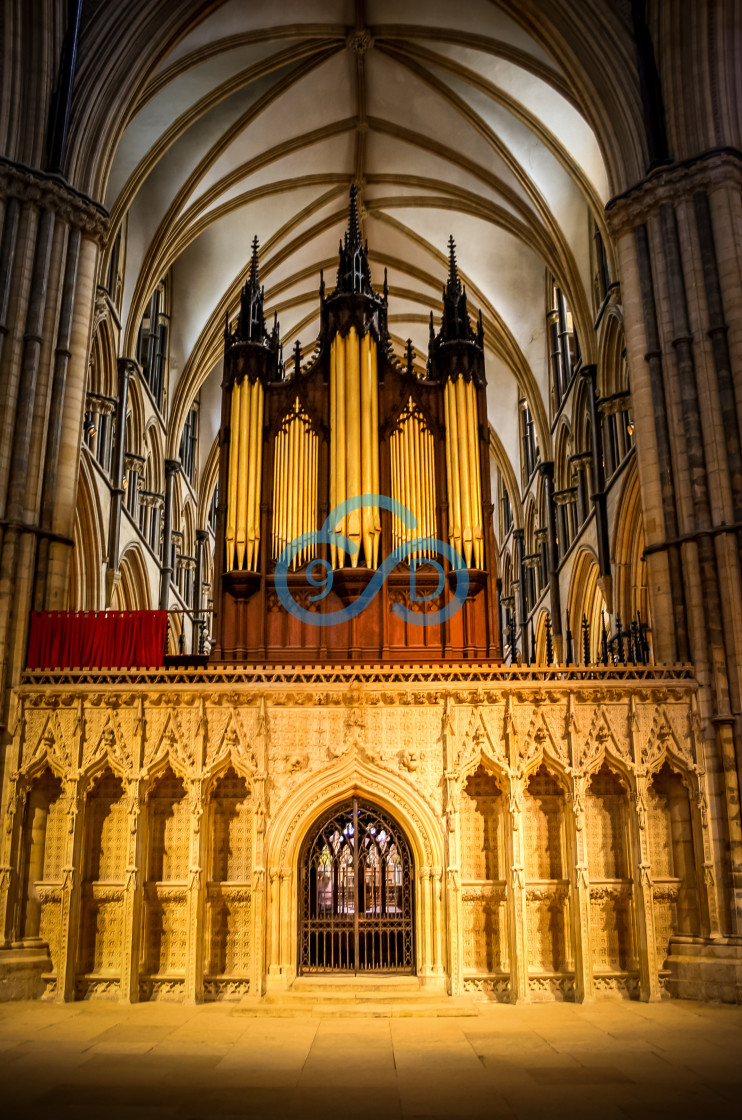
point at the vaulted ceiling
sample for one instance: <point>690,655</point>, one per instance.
<point>450,118</point>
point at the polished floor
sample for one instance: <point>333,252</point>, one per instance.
<point>605,1061</point>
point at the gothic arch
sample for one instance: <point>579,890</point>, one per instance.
<point>629,565</point>
<point>133,592</point>
<point>349,778</point>
<point>586,600</point>
<point>102,376</point>
<point>207,483</point>
<point>86,571</point>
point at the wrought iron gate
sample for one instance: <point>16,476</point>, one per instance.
<point>356,893</point>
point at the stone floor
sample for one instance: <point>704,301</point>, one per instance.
<point>155,1061</point>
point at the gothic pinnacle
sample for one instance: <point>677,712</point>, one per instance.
<point>453,272</point>
<point>353,236</point>
<point>254,264</point>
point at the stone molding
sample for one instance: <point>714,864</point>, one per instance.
<point>671,184</point>
<point>50,192</point>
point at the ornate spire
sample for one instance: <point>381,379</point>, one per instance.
<point>454,284</point>
<point>455,326</point>
<point>455,315</point>
<point>354,275</point>
<point>251,323</point>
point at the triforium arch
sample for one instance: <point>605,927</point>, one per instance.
<point>298,821</point>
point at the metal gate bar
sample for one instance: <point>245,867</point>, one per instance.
<point>356,894</point>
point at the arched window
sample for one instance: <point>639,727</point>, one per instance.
<point>152,341</point>
<point>189,444</point>
<point>530,450</point>
<point>564,351</point>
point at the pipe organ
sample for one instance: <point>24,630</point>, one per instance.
<point>246,454</point>
<point>296,443</point>
<point>412,456</point>
<point>295,484</point>
<point>354,443</point>
<point>462,471</point>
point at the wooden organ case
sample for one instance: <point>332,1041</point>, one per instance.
<point>353,421</point>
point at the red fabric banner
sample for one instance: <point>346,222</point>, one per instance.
<point>97,640</point>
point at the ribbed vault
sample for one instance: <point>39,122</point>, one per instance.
<point>254,119</point>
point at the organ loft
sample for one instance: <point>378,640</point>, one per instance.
<point>297,443</point>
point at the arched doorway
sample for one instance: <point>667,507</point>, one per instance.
<point>356,904</point>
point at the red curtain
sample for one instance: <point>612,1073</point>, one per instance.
<point>105,640</point>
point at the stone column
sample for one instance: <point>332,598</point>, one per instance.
<point>125,368</point>
<point>425,922</point>
<point>284,920</point>
<point>681,285</point>
<point>172,466</point>
<point>579,890</point>
<point>436,876</point>
<point>552,554</point>
<point>516,894</point>
<point>12,856</point>
<point>589,373</point>
<point>649,984</point>
<point>274,945</point>
<point>202,536</point>
<point>132,903</point>
<point>194,979</point>
<point>69,919</point>
<point>519,577</point>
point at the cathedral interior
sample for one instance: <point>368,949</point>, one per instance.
<point>371,500</point>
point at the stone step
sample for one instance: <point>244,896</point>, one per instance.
<point>401,1007</point>
<point>324,996</point>
<point>358,984</point>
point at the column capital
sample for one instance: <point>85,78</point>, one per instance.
<point>546,468</point>
<point>669,184</point>
<point>202,535</point>
<point>172,467</point>
<point>51,192</point>
<point>127,366</point>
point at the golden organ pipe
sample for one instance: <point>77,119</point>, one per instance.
<point>353,436</point>
<point>234,445</point>
<point>454,478</point>
<point>311,550</point>
<point>258,474</point>
<point>292,481</point>
<point>366,446</point>
<point>430,454</point>
<point>466,503</point>
<point>284,488</point>
<point>251,476</point>
<point>426,481</point>
<point>417,479</point>
<point>240,535</point>
<point>277,479</point>
<point>476,486</point>
<point>333,438</point>
<point>395,486</point>
<point>339,465</point>
<point>305,453</point>
<point>407,485</point>
<point>376,513</point>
